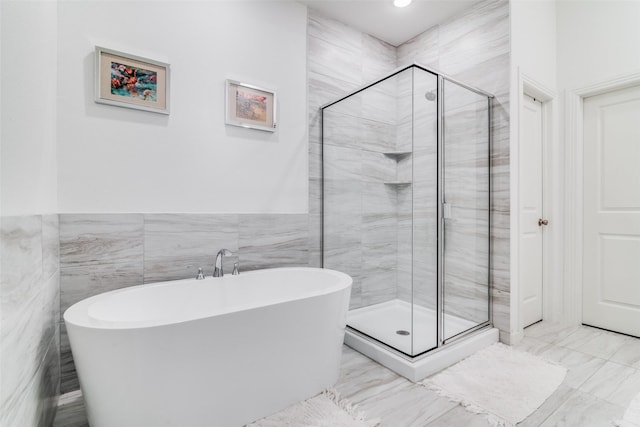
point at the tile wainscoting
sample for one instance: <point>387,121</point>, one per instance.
<point>103,252</point>
<point>29,304</point>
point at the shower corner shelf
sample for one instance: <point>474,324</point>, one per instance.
<point>397,183</point>
<point>396,154</point>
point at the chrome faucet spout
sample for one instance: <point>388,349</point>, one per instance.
<point>217,270</point>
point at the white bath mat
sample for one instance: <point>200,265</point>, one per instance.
<point>631,415</point>
<point>324,410</point>
<point>504,383</point>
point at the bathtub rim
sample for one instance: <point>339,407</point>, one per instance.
<point>77,315</point>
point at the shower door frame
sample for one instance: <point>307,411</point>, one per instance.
<point>441,182</point>
<point>441,341</point>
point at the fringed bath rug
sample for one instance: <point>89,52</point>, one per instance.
<point>631,415</point>
<point>506,384</point>
<point>324,410</point>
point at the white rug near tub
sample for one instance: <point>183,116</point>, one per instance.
<point>506,384</point>
<point>631,415</point>
<point>324,410</point>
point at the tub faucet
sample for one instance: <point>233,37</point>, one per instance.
<point>217,270</point>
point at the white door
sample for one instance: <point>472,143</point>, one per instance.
<point>532,221</point>
<point>611,236</point>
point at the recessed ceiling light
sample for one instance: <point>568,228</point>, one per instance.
<point>401,3</point>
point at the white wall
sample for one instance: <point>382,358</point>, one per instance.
<point>597,40</point>
<point>28,127</point>
<point>533,39</point>
<point>533,59</point>
<point>115,159</point>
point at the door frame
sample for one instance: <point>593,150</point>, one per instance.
<point>574,204</point>
<point>548,98</point>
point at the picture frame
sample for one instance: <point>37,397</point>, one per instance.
<point>131,81</point>
<point>250,106</point>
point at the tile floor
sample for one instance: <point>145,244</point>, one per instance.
<point>603,376</point>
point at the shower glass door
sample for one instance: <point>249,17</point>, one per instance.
<point>466,151</point>
<point>367,205</point>
<point>424,211</point>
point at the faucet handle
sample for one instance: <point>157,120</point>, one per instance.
<point>200,275</point>
<point>235,269</point>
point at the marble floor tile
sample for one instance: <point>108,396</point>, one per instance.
<point>358,373</point>
<point>580,366</point>
<point>533,345</point>
<point>458,416</point>
<point>629,354</point>
<point>409,406</point>
<point>584,410</point>
<point>617,384</point>
<point>595,342</point>
<point>383,394</point>
<point>549,406</point>
<point>550,331</point>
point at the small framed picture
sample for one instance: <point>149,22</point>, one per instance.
<point>130,81</point>
<point>250,106</point>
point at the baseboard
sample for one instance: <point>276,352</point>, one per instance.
<point>511,338</point>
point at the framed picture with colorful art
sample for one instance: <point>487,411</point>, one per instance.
<point>250,106</point>
<point>130,81</point>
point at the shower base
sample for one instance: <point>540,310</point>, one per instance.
<point>382,321</point>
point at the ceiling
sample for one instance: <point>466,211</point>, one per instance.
<point>383,20</point>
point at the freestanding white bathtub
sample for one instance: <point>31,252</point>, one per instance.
<point>215,352</point>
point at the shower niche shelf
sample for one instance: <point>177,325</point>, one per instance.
<point>397,183</point>
<point>397,154</point>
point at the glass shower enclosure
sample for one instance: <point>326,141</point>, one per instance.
<point>406,200</point>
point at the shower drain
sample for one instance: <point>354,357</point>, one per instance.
<point>402,332</point>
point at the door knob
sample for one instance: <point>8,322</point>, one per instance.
<point>542,222</point>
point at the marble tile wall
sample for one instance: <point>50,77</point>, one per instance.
<point>466,177</point>
<point>474,47</point>
<point>29,306</point>
<point>98,253</point>
<point>417,207</point>
<point>360,217</point>
<point>404,169</point>
<point>103,252</point>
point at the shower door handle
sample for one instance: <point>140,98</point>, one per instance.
<point>446,211</point>
<point>446,214</point>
